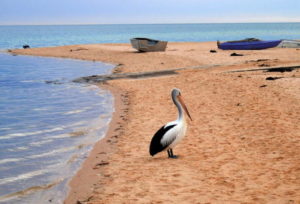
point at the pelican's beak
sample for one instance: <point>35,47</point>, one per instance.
<point>184,106</point>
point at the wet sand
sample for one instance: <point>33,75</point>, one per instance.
<point>242,146</point>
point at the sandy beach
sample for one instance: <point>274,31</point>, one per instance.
<point>242,146</point>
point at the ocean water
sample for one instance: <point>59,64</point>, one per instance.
<point>47,124</point>
<point>41,36</point>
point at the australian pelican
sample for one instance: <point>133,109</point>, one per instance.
<point>170,134</point>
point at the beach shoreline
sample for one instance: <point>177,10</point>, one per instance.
<point>120,170</point>
<point>82,183</point>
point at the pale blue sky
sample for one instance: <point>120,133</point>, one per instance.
<point>147,11</point>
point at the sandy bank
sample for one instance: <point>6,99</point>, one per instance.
<point>242,147</point>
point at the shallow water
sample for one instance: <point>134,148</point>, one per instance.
<point>47,124</point>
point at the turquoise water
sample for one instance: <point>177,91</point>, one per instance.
<point>46,129</point>
<point>41,36</point>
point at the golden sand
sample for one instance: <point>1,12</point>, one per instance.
<point>243,145</point>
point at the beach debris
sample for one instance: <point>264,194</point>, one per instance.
<point>102,163</point>
<point>261,60</point>
<point>77,133</point>
<point>263,86</point>
<point>265,69</point>
<point>26,46</point>
<point>280,69</point>
<point>102,153</point>
<point>81,146</point>
<point>238,104</point>
<point>213,51</point>
<point>84,201</point>
<point>264,65</point>
<point>236,54</point>
<point>258,60</point>
<point>78,49</point>
<point>53,82</point>
<point>116,70</point>
<point>273,78</point>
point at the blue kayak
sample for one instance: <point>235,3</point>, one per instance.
<point>248,45</point>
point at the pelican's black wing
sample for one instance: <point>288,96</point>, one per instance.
<point>155,145</point>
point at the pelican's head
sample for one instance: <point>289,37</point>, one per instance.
<point>176,96</point>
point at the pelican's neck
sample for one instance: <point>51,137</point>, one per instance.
<point>180,109</point>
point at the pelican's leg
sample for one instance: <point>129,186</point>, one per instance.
<point>171,155</point>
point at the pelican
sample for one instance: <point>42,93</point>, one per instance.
<point>169,135</point>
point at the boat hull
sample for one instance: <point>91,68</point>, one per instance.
<point>290,44</point>
<point>252,45</point>
<point>148,45</point>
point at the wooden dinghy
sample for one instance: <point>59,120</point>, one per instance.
<point>148,45</point>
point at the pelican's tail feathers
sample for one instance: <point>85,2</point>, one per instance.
<point>156,146</point>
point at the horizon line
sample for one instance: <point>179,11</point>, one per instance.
<point>67,24</point>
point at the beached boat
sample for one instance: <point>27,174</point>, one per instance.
<point>148,45</point>
<point>248,44</point>
<point>289,44</point>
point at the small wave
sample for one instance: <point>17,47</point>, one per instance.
<point>77,111</point>
<point>71,134</point>
<point>74,112</point>
<point>60,136</point>
<point>40,109</point>
<point>5,128</point>
<point>24,134</point>
<point>39,143</point>
<point>3,161</point>
<point>17,149</point>
<point>22,176</point>
<point>28,191</point>
<point>22,148</point>
<point>51,153</point>
<point>32,81</point>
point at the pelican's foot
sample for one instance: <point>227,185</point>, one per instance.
<point>173,157</point>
